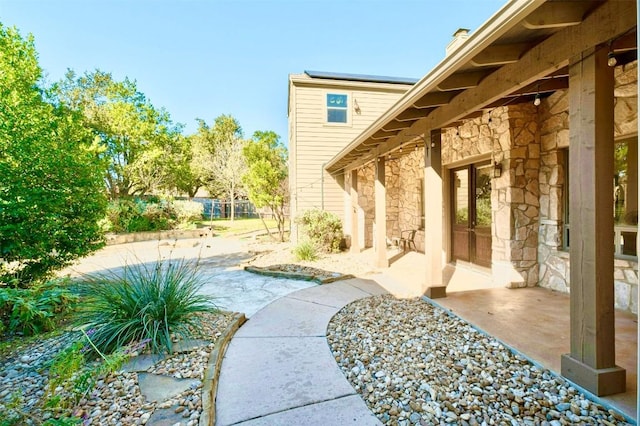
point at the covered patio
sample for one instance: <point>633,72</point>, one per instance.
<point>514,132</point>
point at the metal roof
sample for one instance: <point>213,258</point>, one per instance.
<point>361,77</point>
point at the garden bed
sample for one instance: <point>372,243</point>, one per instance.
<point>179,388</point>
<point>299,272</point>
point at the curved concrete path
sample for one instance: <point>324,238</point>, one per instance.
<point>278,368</point>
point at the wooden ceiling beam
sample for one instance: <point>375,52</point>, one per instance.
<point>462,80</point>
<point>412,114</point>
<point>382,134</point>
<point>435,99</point>
<point>549,56</point>
<point>396,125</point>
<point>500,55</point>
<point>555,15</point>
<point>625,43</point>
<point>543,86</point>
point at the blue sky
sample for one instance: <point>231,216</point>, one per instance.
<point>200,59</point>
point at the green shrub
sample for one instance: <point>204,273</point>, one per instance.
<point>35,309</point>
<point>150,214</point>
<point>188,211</point>
<point>306,250</point>
<point>51,176</point>
<point>72,377</point>
<point>323,228</point>
<point>143,302</point>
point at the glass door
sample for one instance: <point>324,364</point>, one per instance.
<point>471,221</point>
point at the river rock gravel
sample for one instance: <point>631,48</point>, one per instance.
<point>415,364</point>
<point>116,398</point>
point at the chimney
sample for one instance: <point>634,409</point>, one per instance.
<point>459,37</point>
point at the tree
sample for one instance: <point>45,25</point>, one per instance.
<point>135,135</point>
<point>51,188</point>
<point>187,177</point>
<point>266,176</point>
<point>224,173</point>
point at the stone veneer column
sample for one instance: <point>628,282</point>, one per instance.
<point>591,363</point>
<point>353,212</point>
<point>515,196</point>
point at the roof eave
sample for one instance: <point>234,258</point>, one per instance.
<point>498,24</point>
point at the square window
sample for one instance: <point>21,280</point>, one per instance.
<point>336,108</point>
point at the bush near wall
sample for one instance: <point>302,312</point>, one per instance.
<point>322,228</point>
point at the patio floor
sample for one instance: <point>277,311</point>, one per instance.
<point>534,321</point>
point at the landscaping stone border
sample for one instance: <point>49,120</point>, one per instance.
<point>212,372</point>
<point>323,278</point>
<point>174,234</point>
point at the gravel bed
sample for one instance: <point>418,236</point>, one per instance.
<point>116,399</point>
<point>414,364</point>
<point>271,254</point>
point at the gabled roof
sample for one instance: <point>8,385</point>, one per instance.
<point>521,51</point>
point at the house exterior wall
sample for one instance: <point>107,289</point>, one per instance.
<point>528,199</point>
<point>404,174</point>
<point>554,136</point>
<point>313,141</point>
<point>508,136</point>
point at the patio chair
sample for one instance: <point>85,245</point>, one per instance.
<point>406,239</point>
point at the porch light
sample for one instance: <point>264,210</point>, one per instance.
<point>611,59</point>
<point>497,170</point>
<point>536,100</point>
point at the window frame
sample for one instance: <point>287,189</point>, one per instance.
<point>347,108</point>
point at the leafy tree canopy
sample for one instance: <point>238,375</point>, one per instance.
<point>218,158</point>
<point>51,188</point>
<point>139,140</point>
<point>266,175</point>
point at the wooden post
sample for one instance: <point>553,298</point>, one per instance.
<point>591,363</point>
<point>433,221</point>
<point>381,215</point>
<point>353,211</point>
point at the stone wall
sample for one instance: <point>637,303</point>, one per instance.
<point>403,180</point>
<point>554,137</point>
<point>507,136</point>
<point>410,195</point>
<point>367,204</point>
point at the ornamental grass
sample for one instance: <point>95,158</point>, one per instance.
<point>153,302</point>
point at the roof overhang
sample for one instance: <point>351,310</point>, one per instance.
<point>523,50</point>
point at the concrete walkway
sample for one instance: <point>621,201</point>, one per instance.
<point>278,368</point>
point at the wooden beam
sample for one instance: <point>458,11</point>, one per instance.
<point>435,99</point>
<point>555,15</point>
<point>433,211</point>
<point>500,55</point>
<point>609,20</point>
<point>412,114</point>
<point>382,134</point>
<point>543,86</point>
<point>380,215</point>
<point>396,125</point>
<point>591,363</point>
<point>462,80</point>
<point>626,42</point>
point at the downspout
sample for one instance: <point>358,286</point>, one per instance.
<point>322,182</point>
<point>637,238</point>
